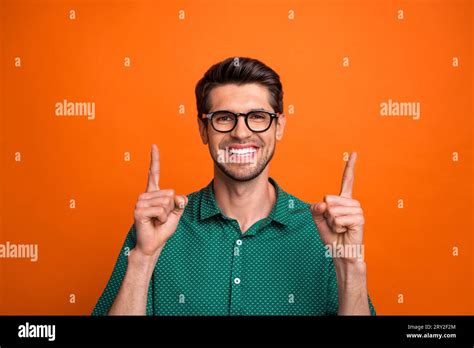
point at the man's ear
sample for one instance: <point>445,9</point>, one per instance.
<point>281,121</point>
<point>203,131</point>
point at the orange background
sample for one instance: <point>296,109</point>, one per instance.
<point>408,251</point>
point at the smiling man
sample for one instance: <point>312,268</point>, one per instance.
<point>241,245</point>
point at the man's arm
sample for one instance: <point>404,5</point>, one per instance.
<point>352,287</point>
<point>157,214</point>
<point>340,223</point>
<point>132,296</point>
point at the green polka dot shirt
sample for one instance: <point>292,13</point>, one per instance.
<point>209,267</point>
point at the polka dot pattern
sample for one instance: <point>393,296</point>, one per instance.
<point>208,267</point>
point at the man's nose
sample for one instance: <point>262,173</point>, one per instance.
<point>241,130</point>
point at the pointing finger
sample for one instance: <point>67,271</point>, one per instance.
<point>348,176</point>
<point>154,171</point>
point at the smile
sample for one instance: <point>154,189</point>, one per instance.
<point>242,151</point>
<point>238,154</point>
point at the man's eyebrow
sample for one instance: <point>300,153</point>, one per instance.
<point>259,109</point>
<point>254,109</point>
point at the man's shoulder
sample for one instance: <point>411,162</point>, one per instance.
<point>297,202</point>
<point>300,223</point>
<point>293,204</point>
<point>194,202</point>
<point>298,210</point>
<point>195,196</point>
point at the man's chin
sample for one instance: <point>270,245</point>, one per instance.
<point>241,174</point>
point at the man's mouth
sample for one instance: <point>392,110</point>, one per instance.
<point>242,151</point>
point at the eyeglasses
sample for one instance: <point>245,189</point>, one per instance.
<point>225,121</point>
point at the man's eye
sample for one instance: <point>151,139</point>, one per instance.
<point>223,118</point>
<point>257,116</point>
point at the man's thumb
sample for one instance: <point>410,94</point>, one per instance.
<point>180,203</point>
<point>318,209</point>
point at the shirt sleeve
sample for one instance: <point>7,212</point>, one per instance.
<point>333,296</point>
<point>113,286</point>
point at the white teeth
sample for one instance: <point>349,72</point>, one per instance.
<point>243,151</point>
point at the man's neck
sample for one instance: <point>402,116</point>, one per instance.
<point>245,201</point>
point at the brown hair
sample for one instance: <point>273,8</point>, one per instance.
<point>239,70</point>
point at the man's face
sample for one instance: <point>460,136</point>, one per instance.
<point>241,154</point>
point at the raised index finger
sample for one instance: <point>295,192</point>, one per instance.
<point>154,171</point>
<point>348,177</point>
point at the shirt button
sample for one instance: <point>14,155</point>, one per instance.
<point>237,280</point>
<point>239,242</point>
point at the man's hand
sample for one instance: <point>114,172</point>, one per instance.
<point>157,212</point>
<point>340,222</point>
<point>340,219</point>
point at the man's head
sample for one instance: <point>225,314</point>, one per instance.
<point>240,85</point>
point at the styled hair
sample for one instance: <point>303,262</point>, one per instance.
<point>239,70</point>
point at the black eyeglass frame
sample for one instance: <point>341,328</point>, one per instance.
<point>209,116</point>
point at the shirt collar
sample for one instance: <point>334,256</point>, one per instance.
<point>279,213</point>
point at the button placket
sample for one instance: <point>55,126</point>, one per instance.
<point>236,280</point>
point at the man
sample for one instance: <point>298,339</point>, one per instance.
<point>241,245</point>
